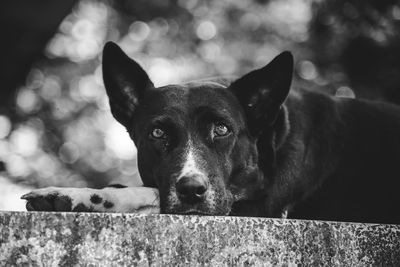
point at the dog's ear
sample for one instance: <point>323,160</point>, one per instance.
<point>125,82</point>
<point>263,91</point>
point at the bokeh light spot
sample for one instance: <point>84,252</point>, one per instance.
<point>27,100</point>
<point>82,29</point>
<point>89,88</point>
<point>206,30</point>
<point>161,72</point>
<point>396,12</point>
<point>25,141</point>
<point>139,31</point>
<point>345,92</point>
<point>5,126</point>
<point>307,70</point>
<point>87,50</point>
<point>35,78</point>
<point>51,88</point>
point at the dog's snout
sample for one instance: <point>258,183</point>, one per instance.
<point>191,189</point>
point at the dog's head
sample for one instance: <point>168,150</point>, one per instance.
<point>197,142</point>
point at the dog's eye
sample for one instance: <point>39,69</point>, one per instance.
<point>157,133</point>
<point>221,129</point>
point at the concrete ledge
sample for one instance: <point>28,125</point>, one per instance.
<point>67,239</point>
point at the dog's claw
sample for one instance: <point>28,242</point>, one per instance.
<point>29,195</point>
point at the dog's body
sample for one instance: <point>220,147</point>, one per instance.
<point>249,148</point>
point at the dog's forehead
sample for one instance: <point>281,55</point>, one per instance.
<point>189,96</point>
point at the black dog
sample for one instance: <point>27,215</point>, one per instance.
<point>249,147</point>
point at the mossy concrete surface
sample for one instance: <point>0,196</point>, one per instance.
<point>94,239</point>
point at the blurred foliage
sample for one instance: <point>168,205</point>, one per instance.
<point>64,133</point>
<point>26,27</point>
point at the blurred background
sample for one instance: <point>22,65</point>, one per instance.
<point>55,125</point>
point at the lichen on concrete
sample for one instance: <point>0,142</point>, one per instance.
<point>99,239</point>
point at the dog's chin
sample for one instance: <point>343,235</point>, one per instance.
<point>202,213</point>
<point>217,203</point>
<point>181,210</point>
<point>195,212</point>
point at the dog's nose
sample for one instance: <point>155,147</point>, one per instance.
<point>191,189</point>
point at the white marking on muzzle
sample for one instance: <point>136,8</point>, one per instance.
<point>191,166</point>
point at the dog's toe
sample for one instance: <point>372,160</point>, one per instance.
<point>29,206</point>
<point>62,203</point>
<point>39,204</point>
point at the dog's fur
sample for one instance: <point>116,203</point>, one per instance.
<point>300,153</point>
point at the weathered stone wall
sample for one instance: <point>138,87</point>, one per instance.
<point>95,239</point>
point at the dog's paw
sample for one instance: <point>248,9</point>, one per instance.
<point>57,199</point>
<point>47,199</point>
